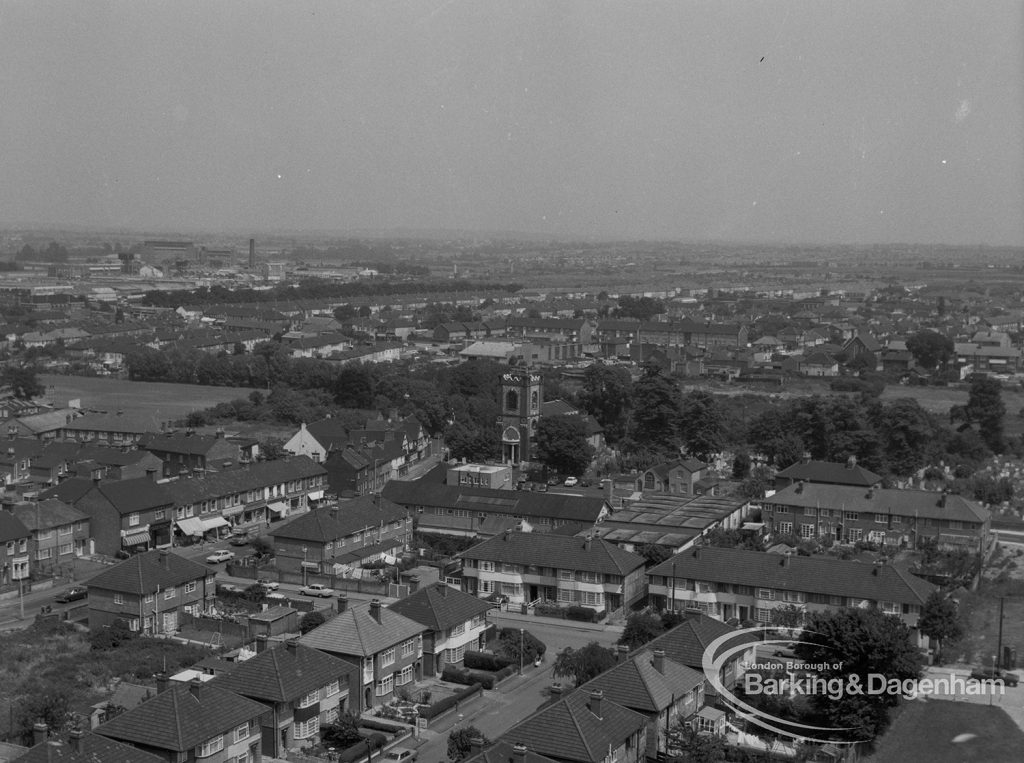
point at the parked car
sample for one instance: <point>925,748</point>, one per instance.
<point>556,480</point>
<point>239,540</point>
<point>315,589</point>
<point>401,755</point>
<point>497,598</point>
<point>267,584</point>
<point>995,674</point>
<point>220,556</point>
<point>74,593</point>
<point>228,588</point>
<point>571,482</point>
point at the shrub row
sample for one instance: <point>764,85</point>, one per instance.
<point>575,612</point>
<point>485,661</point>
<point>434,710</point>
<point>358,750</point>
<point>468,677</point>
<point>375,725</point>
<point>582,614</point>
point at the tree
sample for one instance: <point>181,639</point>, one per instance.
<point>272,449</point>
<point>641,627</point>
<point>562,444</point>
<point>640,308</point>
<point>460,742</point>
<point>741,465</point>
<point>49,703</point>
<point>584,663</point>
<point>787,616</point>
<point>23,382</point>
<point>940,619</point>
<point>311,620</point>
<point>701,424</point>
<point>343,733</point>
<point>985,407</point>
<point>606,396</point>
<point>654,553</point>
<point>655,424</point>
<point>691,746</point>
<point>859,643</point>
<point>509,640</point>
<point>930,348</point>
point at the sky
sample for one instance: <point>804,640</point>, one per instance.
<point>855,122</point>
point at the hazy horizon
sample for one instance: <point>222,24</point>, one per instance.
<point>797,123</point>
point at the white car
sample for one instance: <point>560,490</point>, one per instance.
<point>401,755</point>
<point>571,482</point>
<point>315,589</point>
<point>267,584</point>
<point>220,556</point>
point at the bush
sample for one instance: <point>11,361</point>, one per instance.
<point>504,673</point>
<point>468,677</point>
<point>434,710</point>
<point>548,610</point>
<point>581,614</point>
<point>375,725</point>
<point>311,620</point>
<point>485,661</point>
<point>358,750</point>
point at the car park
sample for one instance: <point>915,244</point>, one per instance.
<point>220,556</point>
<point>315,589</point>
<point>995,674</point>
<point>74,593</point>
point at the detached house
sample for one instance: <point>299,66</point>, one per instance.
<point>728,583</point>
<point>192,721</point>
<point>683,477</point>
<point>385,646</point>
<point>530,567</point>
<point>81,747</point>
<point>302,688</point>
<point>454,621</point>
<point>150,591</point>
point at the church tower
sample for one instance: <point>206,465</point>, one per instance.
<point>521,400</point>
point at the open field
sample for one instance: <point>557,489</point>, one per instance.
<point>171,401</point>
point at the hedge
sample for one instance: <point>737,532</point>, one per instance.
<point>485,661</point>
<point>583,614</point>
<point>376,725</point>
<point>434,710</point>
<point>358,750</point>
<point>468,677</point>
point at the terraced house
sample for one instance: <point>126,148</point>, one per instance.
<point>538,567</point>
<point>727,583</point>
<point>901,518</point>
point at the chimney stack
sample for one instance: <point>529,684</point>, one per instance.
<point>375,609</point>
<point>414,584</point>
<point>342,602</point>
<point>785,560</point>
<point>805,457</point>
<point>595,703</point>
<point>851,462</point>
<point>476,745</point>
<point>38,733</point>
<point>252,254</point>
<point>508,534</point>
<point>800,486</point>
<point>162,682</point>
<point>587,543</point>
<point>261,644</point>
<point>194,686</point>
<point>659,660</point>
<point>151,473</point>
<point>75,739</point>
<point>291,645</point>
<point>870,493</point>
<point>621,653</point>
<point>519,753</point>
<point>165,560</point>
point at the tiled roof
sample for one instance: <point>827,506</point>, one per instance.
<point>545,550</point>
<point>638,685</point>
<point>11,528</point>
<point>440,607</point>
<point>142,573</point>
<point>523,503</point>
<point>904,503</point>
<point>830,472</point>
<point>69,491</point>
<point>47,513</point>
<point>90,748</point>
<point>687,642</point>
<point>503,752</point>
<point>183,716</point>
<point>285,673</point>
<point>570,730</point>
<point>179,443</point>
<point>330,523</point>
<point>810,574</point>
<point>356,632</point>
<point>129,496</point>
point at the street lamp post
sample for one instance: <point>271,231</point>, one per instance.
<point>999,647</point>
<point>304,550</point>
<point>520,651</point>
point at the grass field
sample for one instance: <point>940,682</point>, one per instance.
<point>172,401</point>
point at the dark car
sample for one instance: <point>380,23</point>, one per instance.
<point>497,598</point>
<point>239,540</point>
<point>556,480</point>
<point>994,674</point>
<point>74,593</point>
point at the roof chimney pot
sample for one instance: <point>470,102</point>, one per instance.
<point>595,703</point>
<point>375,609</point>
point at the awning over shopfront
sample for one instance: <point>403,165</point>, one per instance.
<point>190,526</point>
<point>213,523</point>
<point>279,508</point>
<point>135,539</point>
<point>236,510</point>
<point>316,495</point>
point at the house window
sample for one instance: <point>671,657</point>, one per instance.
<point>565,596</point>
<point>308,728</point>
<point>763,614</point>
<point>170,593</point>
<point>332,688</point>
<point>459,629</point>
<point>118,598</point>
<point>785,527</point>
<point>148,598</point>
<point>891,608</point>
<point>766,593</point>
<point>311,698</point>
<point>856,533</point>
<point>565,575</point>
<point>486,586</point>
<point>210,746</point>
<point>880,519</point>
<point>133,519</point>
<point>956,524</point>
<point>385,685</point>
<point>486,566</point>
<point>456,654</point>
<point>806,531</point>
<point>809,511</point>
<point>793,597</point>
<point>43,553</point>
<point>593,598</point>
<point>190,587</point>
<point>65,530</point>
<point>851,516</point>
<point>66,548</point>
<point>511,589</point>
<point>331,716</point>
<point>387,657</point>
<point>405,676</point>
<point>242,732</point>
<point>158,514</point>
<point>408,648</point>
<point>589,577</point>
<point>10,548</point>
